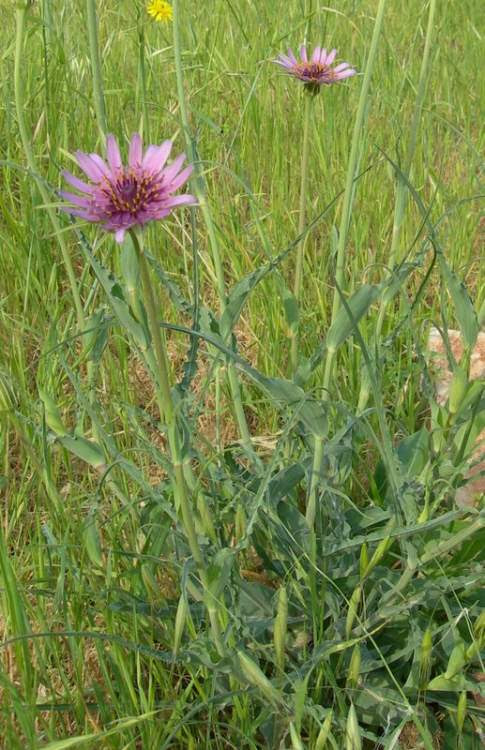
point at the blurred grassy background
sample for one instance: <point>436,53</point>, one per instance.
<point>247,121</point>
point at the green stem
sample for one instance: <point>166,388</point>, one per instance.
<point>29,155</point>
<point>342,240</point>
<point>168,415</point>
<point>142,78</point>
<point>197,184</point>
<point>99,105</point>
<point>301,224</point>
<point>401,187</point>
<point>308,18</point>
<point>349,187</point>
<point>316,473</point>
<point>349,184</point>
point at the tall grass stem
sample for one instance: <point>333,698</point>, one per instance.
<point>214,245</point>
<point>343,232</point>
<point>301,223</point>
<point>401,187</point>
<point>99,104</point>
<point>168,415</point>
<point>29,155</point>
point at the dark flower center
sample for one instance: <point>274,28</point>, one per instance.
<point>313,71</point>
<point>131,193</point>
<point>128,190</point>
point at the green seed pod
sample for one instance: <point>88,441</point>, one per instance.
<point>354,667</point>
<point>255,676</point>
<point>458,388</point>
<point>296,742</point>
<point>479,626</point>
<point>353,737</point>
<point>205,517</point>
<point>461,711</point>
<point>425,656</point>
<point>381,548</point>
<point>240,523</point>
<point>456,661</point>
<point>364,561</point>
<point>150,582</point>
<point>281,628</point>
<point>299,700</point>
<point>324,732</point>
<point>92,542</point>
<point>424,515</point>
<point>353,609</point>
<point>53,416</point>
<point>473,651</point>
<point>180,620</point>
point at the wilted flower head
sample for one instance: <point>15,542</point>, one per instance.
<point>160,10</point>
<point>316,71</point>
<point>121,197</point>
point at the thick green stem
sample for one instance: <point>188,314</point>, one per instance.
<point>311,507</point>
<point>301,223</point>
<point>342,240</point>
<point>142,79</point>
<point>29,155</point>
<point>99,105</point>
<point>349,186</point>
<point>308,18</point>
<point>198,189</point>
<point>168,415</point>
<point>401,187</point>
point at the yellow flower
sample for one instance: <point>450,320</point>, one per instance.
<point>160,10</point>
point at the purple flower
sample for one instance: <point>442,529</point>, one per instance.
<point>316,71</point>
<point>121,197</point>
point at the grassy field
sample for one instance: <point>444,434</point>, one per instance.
<point>270,553</point>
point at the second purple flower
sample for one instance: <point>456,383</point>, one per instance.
<point>316,70</point>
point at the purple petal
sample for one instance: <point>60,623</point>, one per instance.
<point>156,156</point>
<point>181,178</point>
<point>316,55</point>
<point>346,74</point>
<point>120,235</point>
<point>101,164</point>
<point>303,53</point>
<point>170,172</point>
<point>160,213</point>
<point>113,153</point>
<point>180,200</point>
<point>285,65</point>
<point>291,55</point>
<point>136,151</point>
<point>76,199</point>
<point>331,57</point>
<point>340,67</point>
<point>77,212</point>
<point>89,167</point>
<point>284,60</point>
<point>76,182</point>
<point>323,56</point>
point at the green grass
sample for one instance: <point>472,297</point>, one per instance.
<point>363,627</point>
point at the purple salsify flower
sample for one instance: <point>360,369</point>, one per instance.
<point>121,197</point>
<point>316,71</point>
